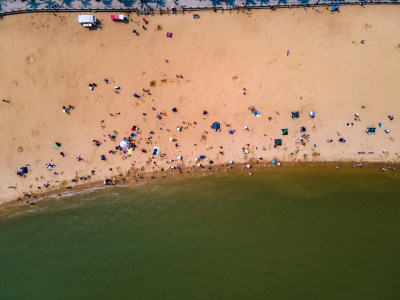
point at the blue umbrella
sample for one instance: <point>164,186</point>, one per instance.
<point>216,126</point>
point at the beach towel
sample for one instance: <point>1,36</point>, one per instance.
<point>169,34</point>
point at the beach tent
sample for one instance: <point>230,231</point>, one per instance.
<point>278,142</point>
<point>284,131</point>
<point>370,130</point>
<point>23,171</point>
<point>123,144</point>
<point>216,126</point>
<point>295,114</point>
<point>302,129</point>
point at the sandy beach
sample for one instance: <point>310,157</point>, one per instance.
<point>226,64</point>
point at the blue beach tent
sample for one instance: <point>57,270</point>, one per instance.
<point>370,130</point>
<point>278,142</point>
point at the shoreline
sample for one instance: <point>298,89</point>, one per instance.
<point>239,169</point>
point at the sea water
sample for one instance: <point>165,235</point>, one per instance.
<point>281,233</point>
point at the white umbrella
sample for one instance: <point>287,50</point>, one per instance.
<point>123,144</point>
<point>312,114</point>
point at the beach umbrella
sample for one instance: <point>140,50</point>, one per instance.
<point>123,144</point>
<point>312,114</point>
<point>256,113</point>
<point>216,126</point>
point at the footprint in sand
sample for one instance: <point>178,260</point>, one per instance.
<point>30,59</point>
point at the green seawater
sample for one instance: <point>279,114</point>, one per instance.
<point>284,233</point>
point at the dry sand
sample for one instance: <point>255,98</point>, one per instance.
<point>47,61</point>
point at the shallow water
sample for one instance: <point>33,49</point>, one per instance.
<point>282,233</point>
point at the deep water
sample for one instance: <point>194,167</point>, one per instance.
<point>282,233</point>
